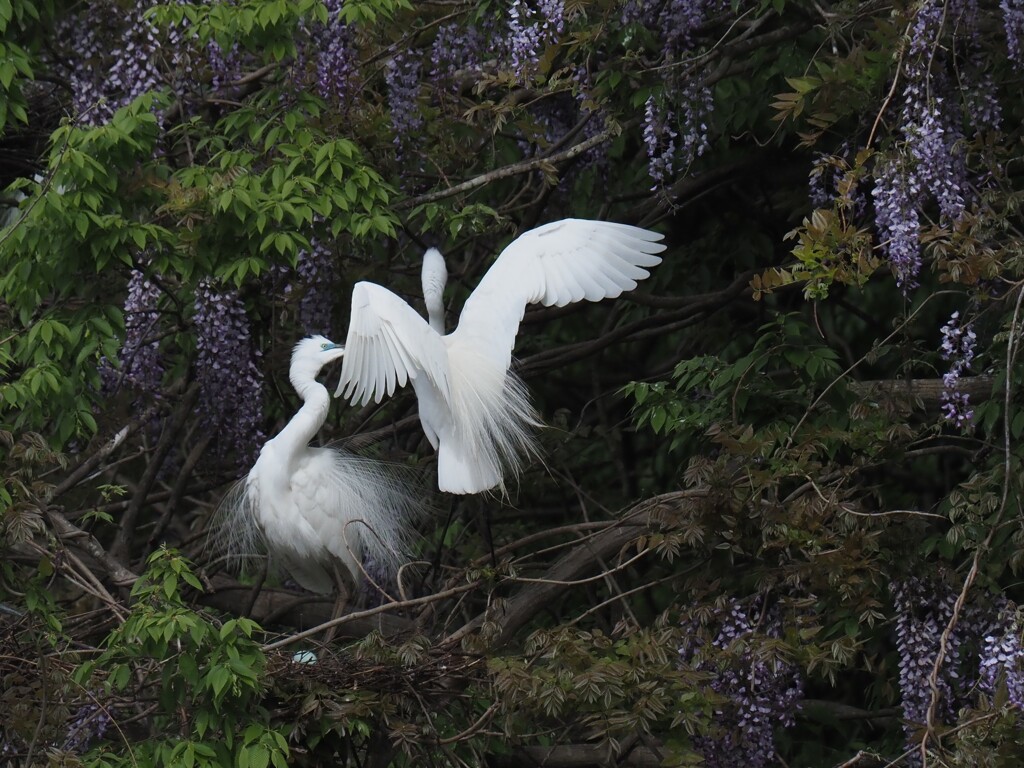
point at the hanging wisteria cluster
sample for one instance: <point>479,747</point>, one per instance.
<point>761,690</point>
<point>1002,659</point>
<point>696,103</point>
<point>317,277</point>
<point>660,138</point>
<point>225,66</point>
<point>529,31</point>
<point>1013,22</point>
<point>930,115</point>
<point>141,364</point>
<point>676,119</point>
<point>402,77</point>
<point>677,21</point>
<point>930,163</point>
<point>923,609</point>
<point>103,79</point>
<point>958,344</point>
<point>89,43</point>
<point>983,651</point>
<point>228,372</point>
<point>456,48</point>
<point>88,724</point>
<point>331,48</point>
<point>897,219</point>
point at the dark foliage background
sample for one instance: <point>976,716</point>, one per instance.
<point>778,517</point>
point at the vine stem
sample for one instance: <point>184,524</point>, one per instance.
<point>972,574</point>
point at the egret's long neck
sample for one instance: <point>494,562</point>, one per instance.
<point>311,416</point>
<point>434,277</point>
<point>435,311</point>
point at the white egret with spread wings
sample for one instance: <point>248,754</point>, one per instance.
<point>318,510</point>
<point>476,412</point>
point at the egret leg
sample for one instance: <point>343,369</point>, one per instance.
<point>343,593</point>
<point>484,516</point>
<point>435,565</point>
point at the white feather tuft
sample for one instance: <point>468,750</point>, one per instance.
<point>342,508</point>
<point>379,505</point>
<point>492,420</point>
<point>235,534</point>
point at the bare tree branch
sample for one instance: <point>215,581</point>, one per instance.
<point>509,170</point>
<point>579,561</point>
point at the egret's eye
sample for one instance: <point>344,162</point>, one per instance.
<point>325,345</point>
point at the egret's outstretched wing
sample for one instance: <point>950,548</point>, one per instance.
<point>388,343</point>
<point>555,264</point>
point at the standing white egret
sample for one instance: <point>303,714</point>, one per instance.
<point>473,409</point>
<point>319,510</point>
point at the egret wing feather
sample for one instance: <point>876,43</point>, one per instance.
<point>554,265</point>
<point>388,343</point>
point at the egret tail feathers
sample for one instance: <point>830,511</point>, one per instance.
<point>493,425</point>
<point>234,533</point>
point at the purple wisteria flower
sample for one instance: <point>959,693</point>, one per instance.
<point>134,69</point>
<point>660,138</point>
<point>88,724</point>
<point>761,690</point>
<point>896,194</point>
<point>1002,660</point>
<point>680,20</point>
<point>105,78</point>
<point>317,275</point>
<point>523,37</point>
<point>676,21</point>
<point>225,66</point>
<point>227,370</point>
<point>1013,23</point>
<point>87,42</point>
<point>922,612</point>
<point>958,346</point>
<point>141,364</point>
<point>676,122</point>
<point>695,105</point>
<point>934,143</point>
<point>402,77</point>
<point>529,30</point>
<point>927,120</point>
<point>456,48</point>
<point>332,47</point>
<point>931,161</point>
<point>983,652</point>
<point>982,106</point>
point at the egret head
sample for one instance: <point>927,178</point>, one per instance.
<point>309,356</point>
